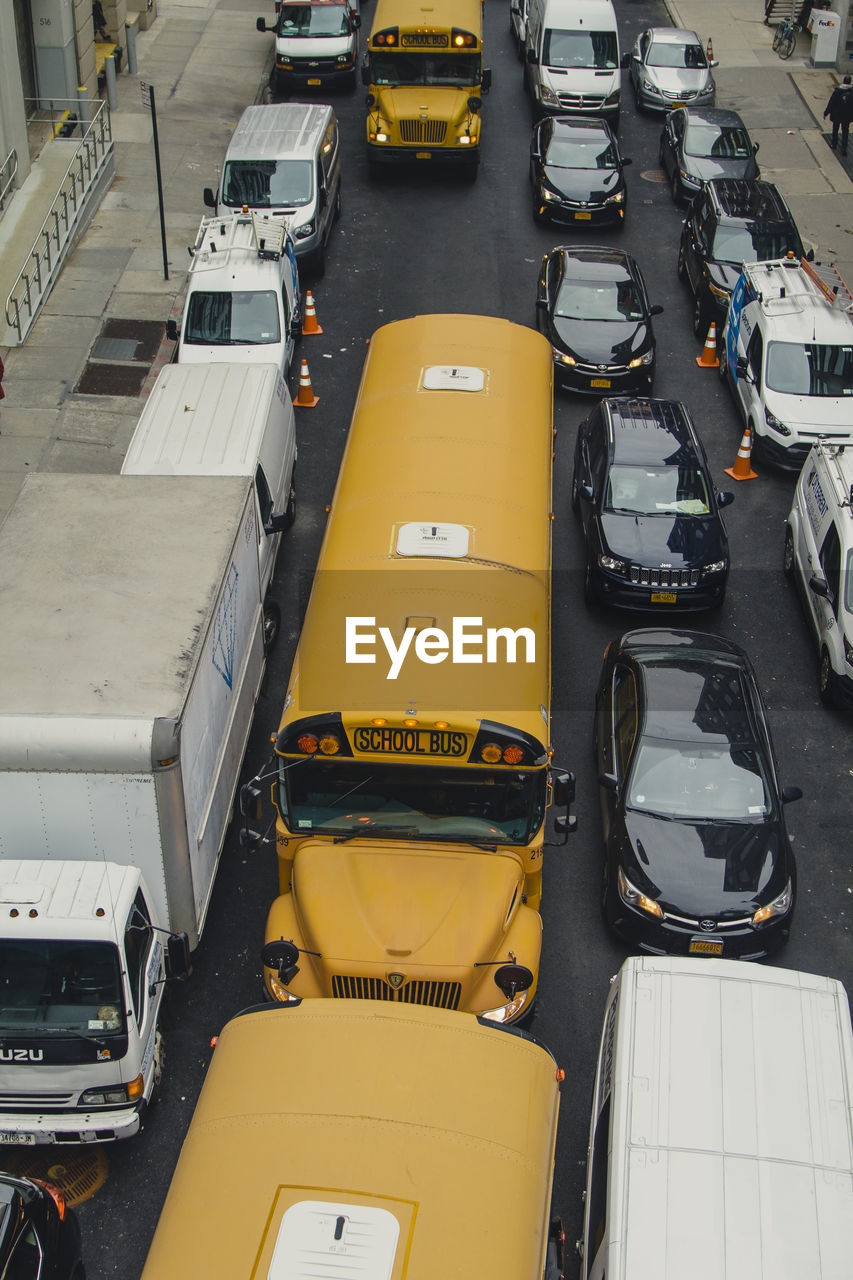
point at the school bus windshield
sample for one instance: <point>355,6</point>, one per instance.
<point>400,68</point>
<point>348,798</point>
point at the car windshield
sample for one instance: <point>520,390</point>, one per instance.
<point>811,369</point>
<point>593,49</point>
<point>413,802</point>
<point>313,20</point>
<point>698,781</point>
<point>425,68</point>
<point>61,985</point>
<point>567,153</point>
<point>264,183</point>
<point>714,142</point>
<point>650,491</point>
<point>677,55</point>
<point>232,319</point>
<point>604,300</point>
<point>754,242</point>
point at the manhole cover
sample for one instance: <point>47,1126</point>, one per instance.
<point>77,1173</point>
<point>102,379</point>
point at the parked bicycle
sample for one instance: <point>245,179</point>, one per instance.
<point>785,37</point>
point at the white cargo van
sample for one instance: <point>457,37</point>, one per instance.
<point>819,558</point>
<point>572,60</point>
<point>787,353</point>
<point>285,157</point>
<point>316,44</point>
<point>226,420</point>
<point>243,302</point>
<point>721,1142</point>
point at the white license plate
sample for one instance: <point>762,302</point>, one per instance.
<point>18,1139</point>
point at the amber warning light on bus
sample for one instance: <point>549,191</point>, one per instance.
<point>468,642</point>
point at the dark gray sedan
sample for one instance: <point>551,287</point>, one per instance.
<point>697,145</point>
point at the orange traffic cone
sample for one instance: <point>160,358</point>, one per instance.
<point>708,358</point>
<point>709,52</point>
<point>310,324</point>
<point>305,393</point>
<point>742,469</point>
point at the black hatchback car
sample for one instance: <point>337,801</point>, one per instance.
<point>650,512</point>
<point>592,306</point>
<point>731,221</point>
<point>39,1234</point>
<point>699,144</point>
<point>576,171</point>
<point>697,857</point>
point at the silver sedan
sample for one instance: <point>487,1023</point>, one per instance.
<point>669,68</point>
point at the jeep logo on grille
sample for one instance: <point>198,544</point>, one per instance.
<point>707,926</point>
<point>396,980</point>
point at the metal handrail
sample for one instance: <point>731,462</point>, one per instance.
<point>35,277</point>
<point>10,165</point>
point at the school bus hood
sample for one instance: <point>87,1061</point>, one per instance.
<point>409,102</point>
<point>368,902</point>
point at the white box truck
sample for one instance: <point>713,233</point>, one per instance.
<point>226,420</point>
<point>132,655</point>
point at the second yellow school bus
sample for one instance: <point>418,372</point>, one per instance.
<point>426,80</point>
<point>414,747</point>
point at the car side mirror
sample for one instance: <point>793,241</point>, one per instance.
<point>486,80</point>
<point>715,62</point>
<point>587,493</point>
<point>261,25</point>
<point>356,21</point>
<point>209,198</point>
<point>742,368</point>
<point>296,327</point>
<point>821,587</point>
<point>322,197</point>
<point>810,256</point>
<point>608,781</point>
<point>625,61</point>
<point>172,330</point>
<point>790,794</point>
<point>656,310</point>
<point>277,522</point>
<point>754,147</point>
<point>532,57</point>
<point>725,499</point>
<point>626,160</point>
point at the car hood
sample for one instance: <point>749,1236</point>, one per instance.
<point>312,46</point>
<point>408,901</point>
<point>679,541</point>
<point>706,167</point>
<point>602,342</point>
<point>591,185</point>
<point>677,79</point>
<point>831,414</point>
<point>702,868</point>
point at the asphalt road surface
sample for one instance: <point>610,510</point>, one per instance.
<point>410,243</point>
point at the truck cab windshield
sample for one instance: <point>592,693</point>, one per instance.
<point>313,20</point>
<point>340,797</point>
<point>810,369</point>
<point>262,184</point>
<point>60,986</point>
<point>232,319</point>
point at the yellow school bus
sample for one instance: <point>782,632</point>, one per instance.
<point>413,751</point>
<point>352,1139</point>
<point>426,80</point>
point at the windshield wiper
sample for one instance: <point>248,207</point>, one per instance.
<point>48,1029</point>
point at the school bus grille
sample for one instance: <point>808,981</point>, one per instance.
<point>432,131</point>
<point>441,995</point>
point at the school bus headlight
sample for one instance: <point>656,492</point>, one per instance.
<point>378,135</point>
<point>308,743</point>
<point>464,139</point>
<point>329,745</point>
<point>491,753</point>
<point>507,1012</point>
<point>513,755</point>
<point>279,991</point>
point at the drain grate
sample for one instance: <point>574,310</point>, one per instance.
<point>79,1174</point>
<point>121,357</point>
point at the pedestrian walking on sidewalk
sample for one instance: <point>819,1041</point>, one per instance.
<point>840,111</point>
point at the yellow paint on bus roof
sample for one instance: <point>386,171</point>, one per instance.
<point>467,14</point>
<point>446,1124</point>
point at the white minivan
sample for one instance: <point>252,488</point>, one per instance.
<point>721,1140</point>
<point>243,303</point>
<point>572,60</point>
<point>819,558</point>
<point>285,157</point>
<point>226,420</point>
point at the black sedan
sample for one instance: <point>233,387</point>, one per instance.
<point>592,306</point>
<point>697,145</point>
<point>697,857</point>
<point>649,509</point>
<point>576,171</point>
<point>39,1234</point>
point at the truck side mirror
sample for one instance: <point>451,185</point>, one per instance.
<point>625,61</point>
<point>608,781</point>
<point>532,57</point>
<point>261,25</point>
<point>281,956</point>
<point>177,957</point>
<point>356,21</point>
<point>250,800</point>
<point>563,787</point>
<point>365,79</point>
<point>486,81</point>
<point>512,978</point>
<point>172,330</point>
<point>209,198</point>
<point>742,368</point>
<point>277,522</point>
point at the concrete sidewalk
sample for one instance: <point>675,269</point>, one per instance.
<point>207,62</point>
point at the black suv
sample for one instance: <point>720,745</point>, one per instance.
<point>39,1234</point>
<point>731,221</point>
<point>641,486</point>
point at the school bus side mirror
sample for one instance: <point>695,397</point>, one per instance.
<point>512,978</point>
<point>486,82</point>
<point>563,789</point>
<point>282,957</point>
<point>365,79</point>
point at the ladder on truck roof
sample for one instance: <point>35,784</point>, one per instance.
<point>270,234</point>
<point>267,234</point>
<point>831,284</point>
<point>837,460</point>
